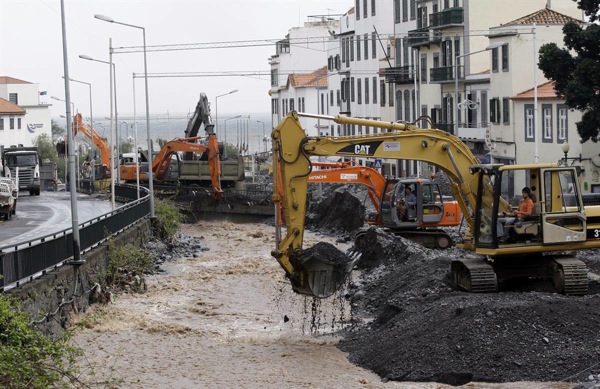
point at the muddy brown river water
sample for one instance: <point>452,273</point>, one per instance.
<point>226,318</point>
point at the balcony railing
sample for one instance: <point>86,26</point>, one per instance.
<point>400,75</point>
<point>423,36</point>
<point>449,17</point>
<point>448,127</point>
<point>441,74</point>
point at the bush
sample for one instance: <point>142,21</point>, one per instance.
<point>168,219</point>
<point>127,266</point>
<point>28,359</point>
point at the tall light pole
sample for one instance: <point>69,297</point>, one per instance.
<point>225,133</point>
<point>150,178</point>
<point>113,86</point>
<point>71,146</point>
<point>92,132</point>
<point>490,47</point>
<point>217,108</point>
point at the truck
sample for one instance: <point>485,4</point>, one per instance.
<point>9,193</point>
<point>49,175</point>
<point>24,163</point>
<point>192,161</point>
<point>563,221</point>
<point>423,225</point>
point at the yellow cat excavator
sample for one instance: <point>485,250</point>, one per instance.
<point>485,193</point>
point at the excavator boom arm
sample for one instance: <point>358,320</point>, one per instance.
<point>79,125</point>
<point>292,150</point>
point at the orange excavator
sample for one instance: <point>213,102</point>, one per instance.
<point>101,169</point>
<point>162,161</point>
<point>419,222</point>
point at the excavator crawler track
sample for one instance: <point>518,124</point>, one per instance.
<point>474,275</point>
<point>570,276</point>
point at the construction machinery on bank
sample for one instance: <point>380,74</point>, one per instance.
<point>485,192</point>
<point>420,222</point>
<point>193,161</point>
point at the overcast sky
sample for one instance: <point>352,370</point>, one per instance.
<point>31,49</point>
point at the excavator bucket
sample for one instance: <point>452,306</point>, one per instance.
<point>323,270</point>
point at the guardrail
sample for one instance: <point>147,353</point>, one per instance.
<point>21,262</point>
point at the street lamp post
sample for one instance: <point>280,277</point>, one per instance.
<point>225,134</point>
<point>91,134</point>
<point>217,108</point>
<point>71,152</point>
<point>150,178</point>
<point>490,47</point>
<point>116,114</point>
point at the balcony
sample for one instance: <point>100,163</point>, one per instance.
<point>447,127</point>
<point>447,18</point>
<point>423,37</point>
<point>400,75</point>
<point>444,74</point>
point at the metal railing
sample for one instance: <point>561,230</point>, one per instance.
<point>23,261</point>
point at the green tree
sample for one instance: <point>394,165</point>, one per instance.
<point>57,130</point>
<point>46,148</point>
<point>575,69</point>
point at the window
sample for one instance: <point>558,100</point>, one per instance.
<point>505,58</point>
<point>447,53</point>
<point>358,48</point>
<point>357,10</point>
<point>495,110</point>
<point>422,17</point>
<point>404,10</point>
<point>331,97</point>
<point>495,60</point>
<point>373,7</point>
<point>13,98</point>
<point>359,90</point>
<point>413,10</point>
<point>352,89</point>
<point>291,105</point>
<point>18,123</point>
<point>373,45</point>
<point>1,124</point>
<point>398,50</point>
<point>11,122</point>
<point>396,11</point>
<point>424,122</point>
<point>339,98</point>
<point>484,109</point>
<point>382,93</point>
<point>366,90</point>
<point>374,90</point>
<point>561,122</point>
<point>529,130</point>
<point>366,40</point>
<point>547,123</point>
<point>352,48</point>
<point>344,49</point>
<point>424,68</point>
<point>274,107</point>
<point>399,105</point>
<point>365,9</point>
<point>505,111</point>
<point>391,95</point>
<point>405,52</point>
<point>330,63</point>
<point>274,77</point>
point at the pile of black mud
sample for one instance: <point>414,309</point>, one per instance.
<point>411,324</point>
<point>182,246</point>
<point>340,211</point>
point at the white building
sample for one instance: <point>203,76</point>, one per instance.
<point>21,128</point>
<point>298,58</point>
